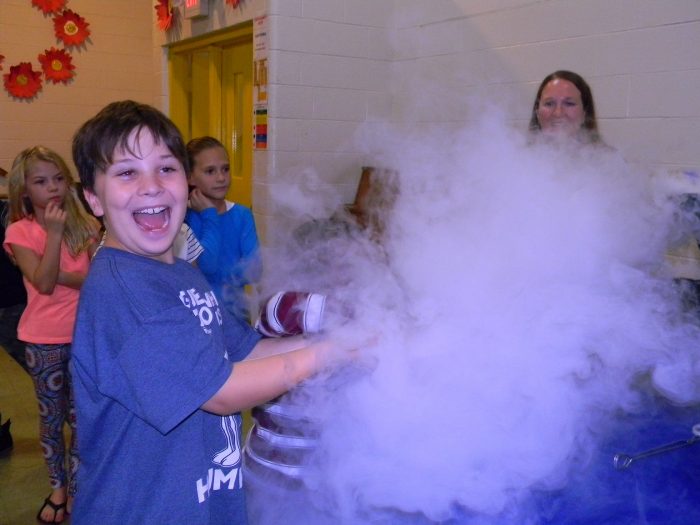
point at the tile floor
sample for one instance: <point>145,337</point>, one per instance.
<point>23,478</point>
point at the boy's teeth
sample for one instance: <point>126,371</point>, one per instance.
<point>152,219</point>
<point>152,211</point>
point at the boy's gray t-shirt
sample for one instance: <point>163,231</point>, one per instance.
<point>151,345</point>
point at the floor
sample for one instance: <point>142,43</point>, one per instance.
<point>23,478</point>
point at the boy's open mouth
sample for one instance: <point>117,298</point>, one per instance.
<point>152,219</point>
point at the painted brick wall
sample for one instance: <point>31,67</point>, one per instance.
<point>640,57</point>
<point>116,63</point>
<point>337,65</point>
<point>330,72</point>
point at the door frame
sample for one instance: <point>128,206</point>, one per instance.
<point>210,102</point>
<point>178,68</point>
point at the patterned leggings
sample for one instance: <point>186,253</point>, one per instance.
<point>48,366</point>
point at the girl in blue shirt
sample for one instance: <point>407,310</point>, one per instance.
<point>225,229</point>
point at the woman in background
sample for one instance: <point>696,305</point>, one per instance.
<point>602,489</point>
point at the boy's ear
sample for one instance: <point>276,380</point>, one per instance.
<point>94,202</point>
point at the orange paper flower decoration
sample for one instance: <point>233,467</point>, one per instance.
<point>22,81</point>
<point>57,65</point>
<point>164,14</point>
<point>71,28</point>
<point>49,6</point>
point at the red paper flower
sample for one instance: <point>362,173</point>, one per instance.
<point>71,28</point>
<point>164,14</point>
<point>22,81</point>
<point>233,3</point>
<point>57,65</point>
<point>49,6</point>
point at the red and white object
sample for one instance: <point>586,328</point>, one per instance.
<point>291,313</point>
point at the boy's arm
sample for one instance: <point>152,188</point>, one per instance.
<point>273,346</point>
<point>273,367</point>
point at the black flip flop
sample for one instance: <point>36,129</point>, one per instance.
<point>55,507</point>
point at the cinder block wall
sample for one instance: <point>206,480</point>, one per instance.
<point>640,57</point>
<point>337,66</point>
<point>115,63</point>
<point>330,72</point>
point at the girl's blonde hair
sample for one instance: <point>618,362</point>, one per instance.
<point>81,228</point>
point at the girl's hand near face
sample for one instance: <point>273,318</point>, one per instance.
<point>55,219</point>
<point>198,201</point>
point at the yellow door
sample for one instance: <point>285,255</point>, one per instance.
<point>237,118</point>
<point>211,93</point>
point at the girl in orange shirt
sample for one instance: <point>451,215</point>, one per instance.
<point>51,238</point>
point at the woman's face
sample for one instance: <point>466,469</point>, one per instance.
<point>560,110</point>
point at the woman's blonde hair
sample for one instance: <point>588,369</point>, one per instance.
<point>81,228</point>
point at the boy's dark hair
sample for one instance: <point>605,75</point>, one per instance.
<point>199,144</point>
<point>97,139</point>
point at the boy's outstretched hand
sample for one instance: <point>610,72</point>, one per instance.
<point>274,366</point>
